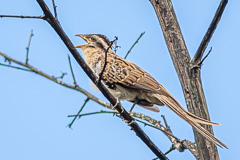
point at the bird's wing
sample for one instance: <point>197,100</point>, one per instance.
<point>129,75</point>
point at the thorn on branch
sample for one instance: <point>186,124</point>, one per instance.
<point>105,63</point>
<point>134,44</point>
<point>29,42</point>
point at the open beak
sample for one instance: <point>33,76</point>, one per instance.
<point>84,38</point>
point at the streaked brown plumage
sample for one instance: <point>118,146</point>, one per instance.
<point>126,81</point>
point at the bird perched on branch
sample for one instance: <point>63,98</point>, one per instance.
<point>127,81</point>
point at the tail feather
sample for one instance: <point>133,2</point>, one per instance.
<point>192,119</point>
<point>201,120</point>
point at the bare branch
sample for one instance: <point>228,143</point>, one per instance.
<point>29,42</point>
<point>177,143</point>
<point>198,56</point>
<point>54,8</point>
<point>70,64</point>
<point>165,121</point>
<point>134,44</point>
<point>93,113</point>
<point>21,16</point>
<point>85,102</point>
<point>20,68</point>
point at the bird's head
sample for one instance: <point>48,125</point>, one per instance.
<point>94,41</point>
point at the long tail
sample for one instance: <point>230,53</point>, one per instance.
<point>192,119</point>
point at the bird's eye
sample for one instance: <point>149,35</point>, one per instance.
<point>93,39</point>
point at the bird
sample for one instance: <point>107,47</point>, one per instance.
<point>127,81</point>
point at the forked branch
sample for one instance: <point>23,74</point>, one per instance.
<point>206,39</point>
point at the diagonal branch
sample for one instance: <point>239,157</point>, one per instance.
<point>206,39</point>
<point>134,44</point>
<point>85,102</point>
<point>124,114</point>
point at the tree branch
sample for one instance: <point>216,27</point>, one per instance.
<point>198,56</point>
<point>29,42</point>
<point>70,125</point>
<point>54,8</point>
<point>70,64</point>
<point>190,82</point>
<point>134,44</point>
<point>21,16</point>
<point>124,114</point>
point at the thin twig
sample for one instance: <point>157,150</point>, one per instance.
<point>29,42</point>
<point>7,65</point>
<point>134,44</point>
<point>166,125</point>
<point>70,64</point>
<point>158,127</point>
<point>205,56</point>
<point>170,150</point>
<point>62,75</point>
<point>85,102</point>
<point>92,113</point>
<point>177,143</point>
<point>35,70</point>
<point>105,63</point>
<point>21,16</point>
<point>54,8</point>
<point>210,31</point>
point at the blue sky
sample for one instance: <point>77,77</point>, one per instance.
<point>33,110</point>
